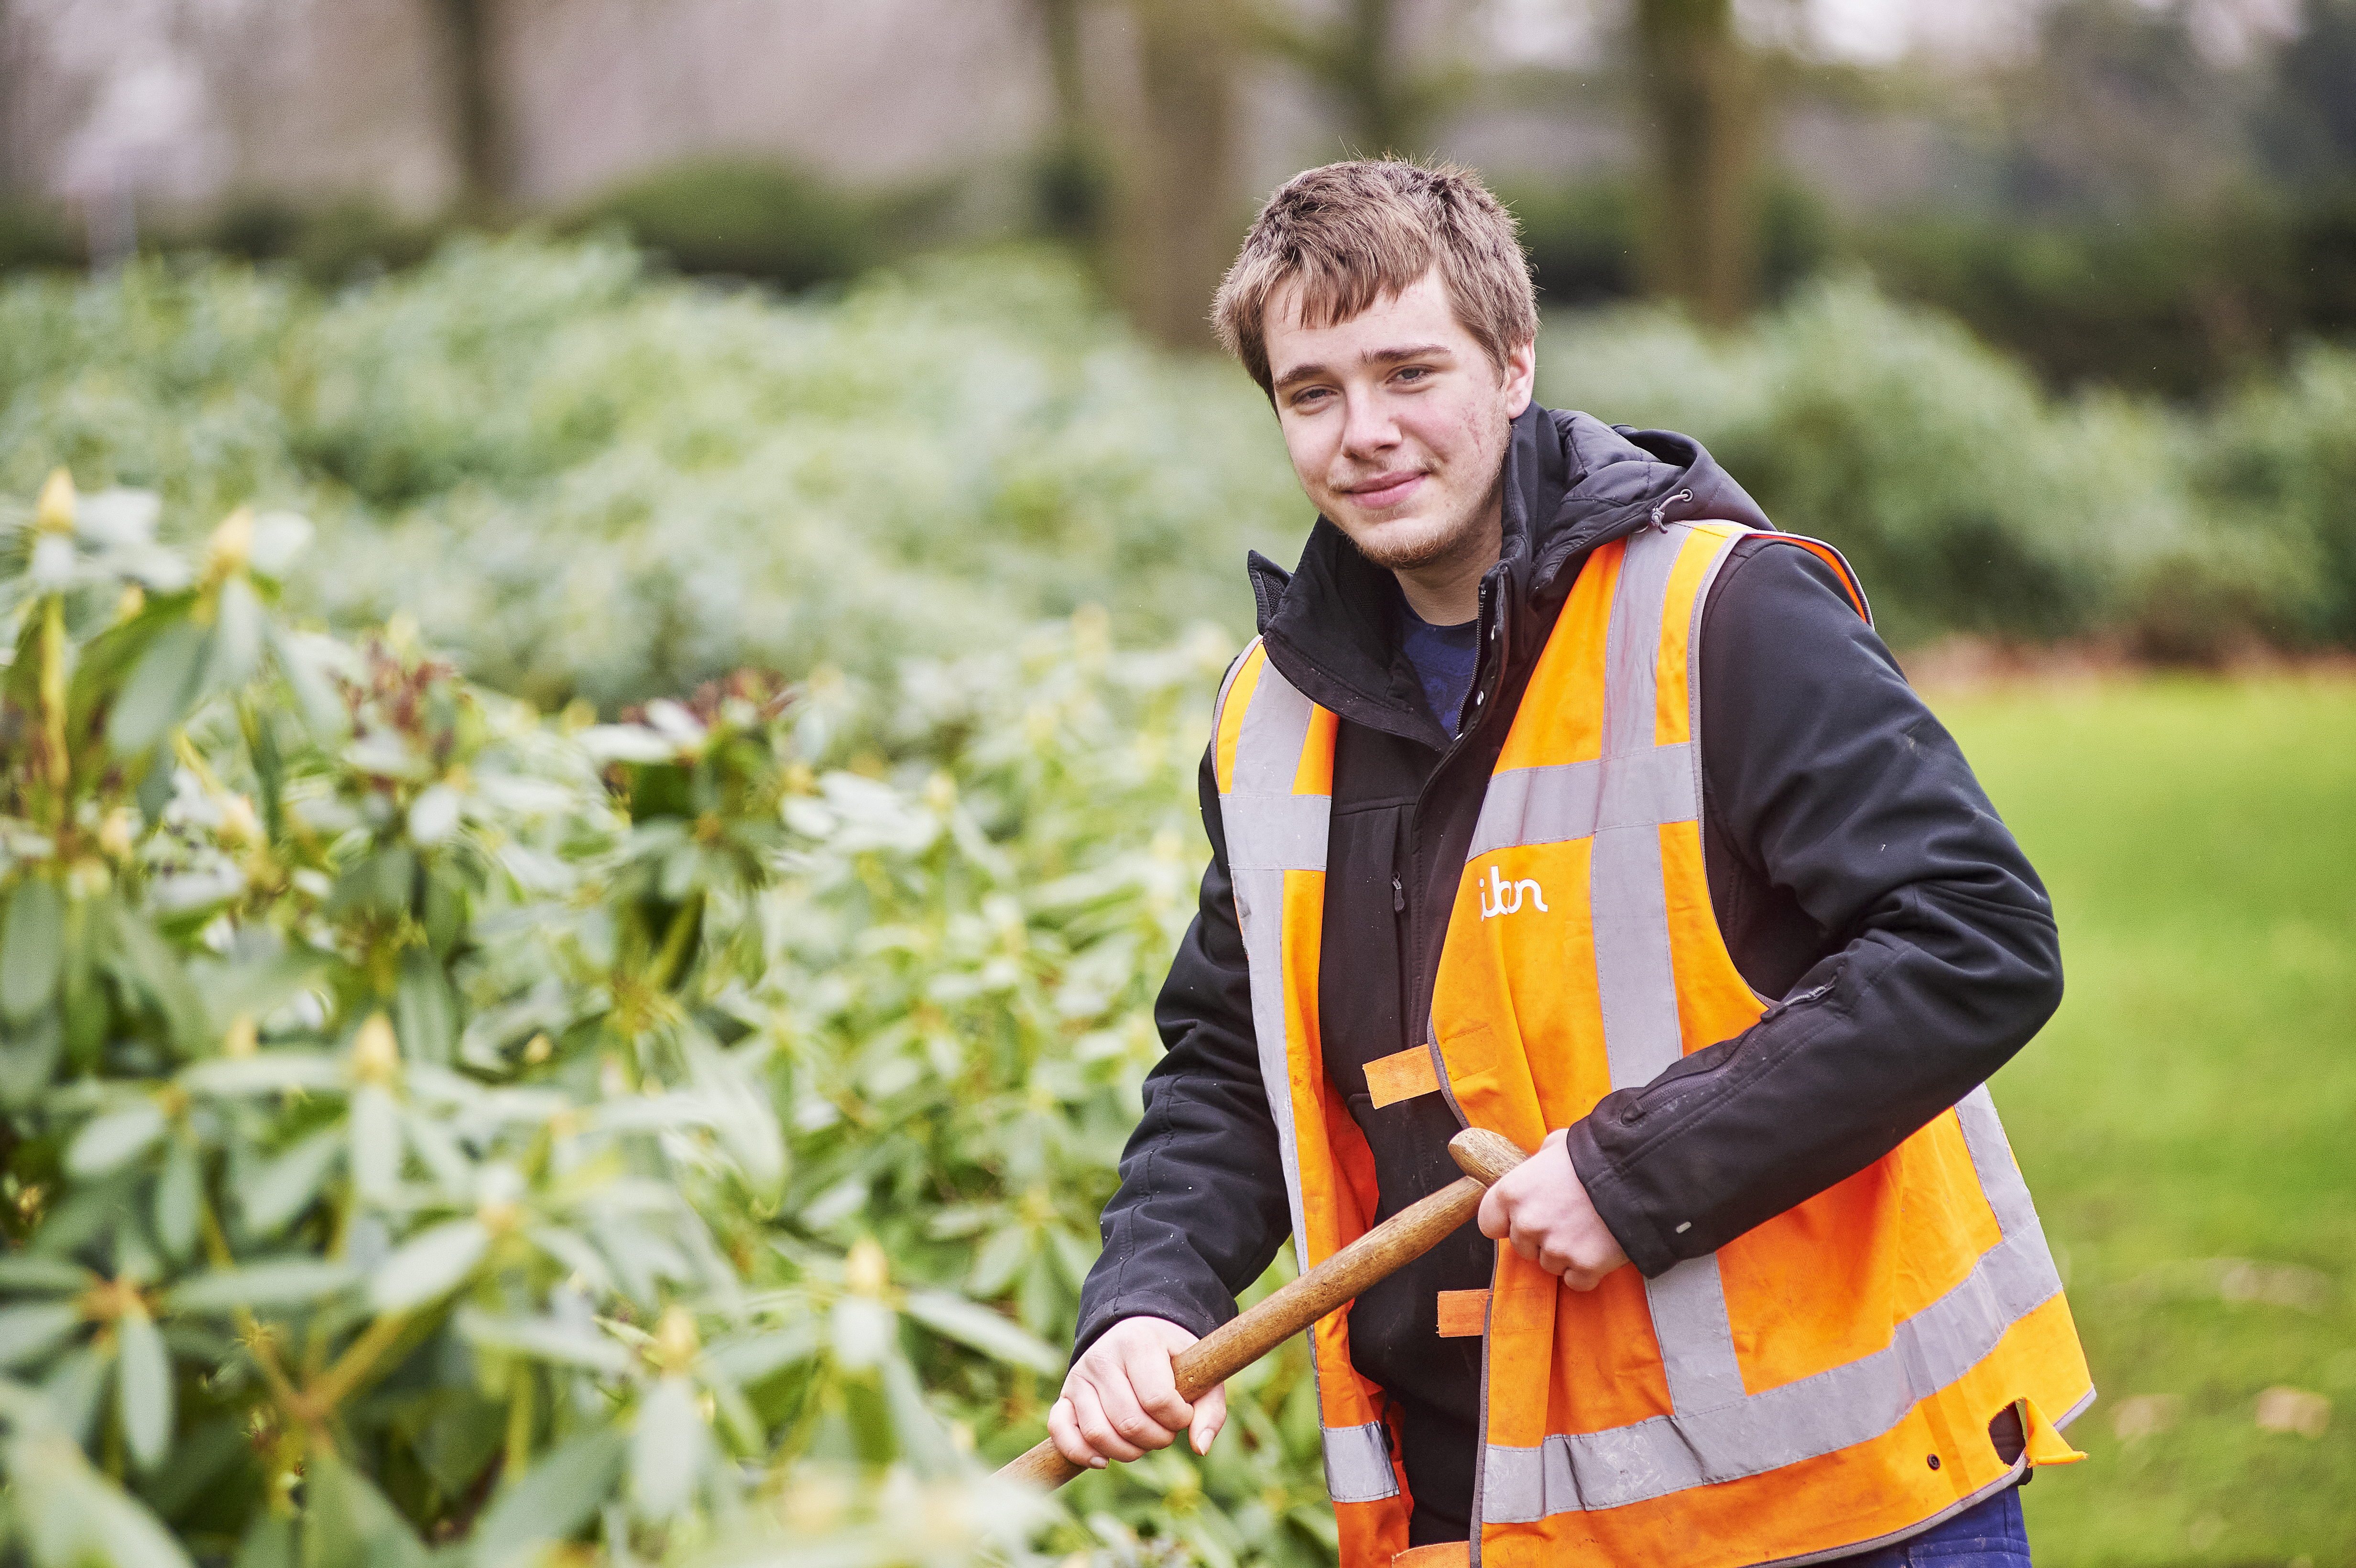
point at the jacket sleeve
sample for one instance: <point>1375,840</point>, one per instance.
<point>1834,784</point>
<point>1201,1209</point>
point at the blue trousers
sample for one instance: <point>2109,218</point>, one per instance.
<point>1986,1535</point>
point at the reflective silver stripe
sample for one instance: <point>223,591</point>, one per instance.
<point>1833,1409</point>
<point>1268,745</point>
<point>1276,832</point>
<point>1358,1464</point>
<point>1634,980</point>
<point>1260,909</point>
<point>1992,1162</point>
<point>1688,1302</point>
<point>1575,800</point>
<point>1815,1415</point>
<point>1270,831</point>
<point>1632,638</point>
<point>1689,1319</point>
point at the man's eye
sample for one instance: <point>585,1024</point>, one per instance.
<point>1413,373</point>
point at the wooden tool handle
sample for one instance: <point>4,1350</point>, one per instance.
<point>1380,1252</point>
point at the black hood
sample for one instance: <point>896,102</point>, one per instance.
<point>1571,483</point>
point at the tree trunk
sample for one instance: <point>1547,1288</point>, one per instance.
<point>1177,230</point>
<point>1381,114</point>
<point>1071,178</point>
<point>1701,100</point>
<point>478,122</point>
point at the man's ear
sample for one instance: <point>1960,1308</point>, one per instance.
<point>1521,376</point>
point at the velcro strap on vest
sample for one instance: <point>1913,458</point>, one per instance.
<point>1464,1314</point>
<point>1391,1079</point>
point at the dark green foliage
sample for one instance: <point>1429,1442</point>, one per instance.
<point>329,245</point>
<point>1582,240</point>
<point>2172,302</point>
<point>36,235</point>
<point>748,218</point>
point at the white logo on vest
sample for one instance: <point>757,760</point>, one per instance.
<point>1499,896</point>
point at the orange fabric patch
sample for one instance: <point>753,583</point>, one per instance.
<point>1401,1077</point>
<point>1315,774</point>
<point>1464,1314</point>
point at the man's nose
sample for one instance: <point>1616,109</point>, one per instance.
<point>1368,426</point>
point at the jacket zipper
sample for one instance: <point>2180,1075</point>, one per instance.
<point>1416,1017</point>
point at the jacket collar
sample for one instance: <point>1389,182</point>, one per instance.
<point>1572,483</point>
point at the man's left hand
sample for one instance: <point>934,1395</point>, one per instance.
<point>1542,1207</point>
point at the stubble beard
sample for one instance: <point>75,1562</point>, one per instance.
<point>1440,539</point>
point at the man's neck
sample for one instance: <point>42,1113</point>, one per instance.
<point>1447,592</point>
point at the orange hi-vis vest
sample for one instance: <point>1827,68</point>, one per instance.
<point>1820,1386</point>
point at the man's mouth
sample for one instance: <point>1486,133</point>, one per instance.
<point>1385,490</point>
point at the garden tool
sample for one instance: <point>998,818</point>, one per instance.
<point>1380,1252</point>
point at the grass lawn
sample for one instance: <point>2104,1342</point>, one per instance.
<point>2187,1122</point>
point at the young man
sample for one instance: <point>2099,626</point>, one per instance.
<point>1561,796</point>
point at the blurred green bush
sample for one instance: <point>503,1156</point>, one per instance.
<point>748,218</point>
<point>1973,501</point>
<point>426,1126</point>
<point>600,482</point>
<point>2181,303</point>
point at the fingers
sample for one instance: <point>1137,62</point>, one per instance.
<point>1210,1415</point>
<point>1063,1431</point>
<point>1495,1217</point>
<point>1154,1386</point>
<point>1111,1422</point>
<point>1120,1399</point>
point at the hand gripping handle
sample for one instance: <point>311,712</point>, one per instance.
<point>1484,1156</point>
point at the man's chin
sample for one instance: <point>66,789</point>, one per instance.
<point>1409,545</point>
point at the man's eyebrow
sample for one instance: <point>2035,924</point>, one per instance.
<point>1371,357</point>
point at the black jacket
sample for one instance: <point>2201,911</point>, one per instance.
<point>1856,869</point>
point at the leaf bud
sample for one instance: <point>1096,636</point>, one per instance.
<point>376,1054</point>
<point>232,545</point>
<point>54,512</point>
<point>114,839</point>
<point>866,1271</point>
<point>675,1345</point>
<point>238,824</point>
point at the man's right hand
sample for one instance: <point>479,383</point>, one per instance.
<point>1121,1397</point>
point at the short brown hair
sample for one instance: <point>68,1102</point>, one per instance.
<point>1357,232</point>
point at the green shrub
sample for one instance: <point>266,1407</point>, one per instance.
<point>331,245</point>
<point>2176,302</point>
<point>34,234</point>
<point>1968,500</point>
<point>595,483</point>
<point>591,482</point>
<point>750,218</point>
<point>2282,467</point>
<point>423,1124</point>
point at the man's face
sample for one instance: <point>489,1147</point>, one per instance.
<point>1397,422</point>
